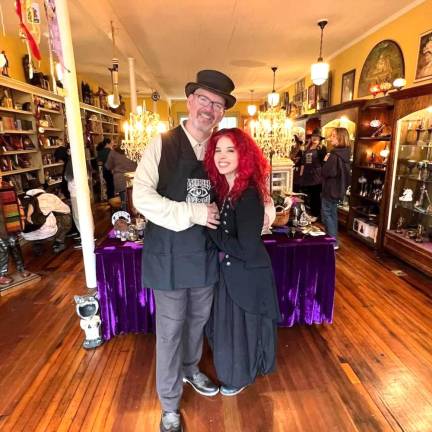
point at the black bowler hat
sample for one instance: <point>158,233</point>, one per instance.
<point>216,82</point>
<point>317,132</point>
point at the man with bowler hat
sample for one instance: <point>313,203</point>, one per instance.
<point>172,191</point>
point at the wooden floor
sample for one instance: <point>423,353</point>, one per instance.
<point>371,370</point>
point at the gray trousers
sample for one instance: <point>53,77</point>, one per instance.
<point>180,319</point>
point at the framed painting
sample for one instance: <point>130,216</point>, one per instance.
<point>424,57</point>
<point>384,63</point>
<point>324,93</point>
<point>347,86</point>
<point>311,97</point>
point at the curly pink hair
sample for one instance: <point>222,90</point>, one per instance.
<point>253,168</point>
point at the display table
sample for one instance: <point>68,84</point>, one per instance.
<point>304,272</point>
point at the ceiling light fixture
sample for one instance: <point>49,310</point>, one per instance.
<point>251,109</point>
<point>320,70</point>
<point>273,97</point>
<point>114,98</point>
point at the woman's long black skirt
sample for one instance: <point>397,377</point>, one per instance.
<point>243,344</point>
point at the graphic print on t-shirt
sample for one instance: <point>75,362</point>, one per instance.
<point>308,158</point>
<point>198,191</point>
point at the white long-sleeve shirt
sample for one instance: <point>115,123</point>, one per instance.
<point>173,215</point>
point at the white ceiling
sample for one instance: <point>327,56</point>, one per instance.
<point>171,40</point>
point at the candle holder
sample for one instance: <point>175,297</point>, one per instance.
<point>410,165</point>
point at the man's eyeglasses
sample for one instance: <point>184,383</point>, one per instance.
<point>205,102</point>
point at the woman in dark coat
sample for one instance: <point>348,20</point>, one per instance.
<point>242,329</point>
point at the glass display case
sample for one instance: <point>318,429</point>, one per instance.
<point>282,176</point>
<point>409,225</point>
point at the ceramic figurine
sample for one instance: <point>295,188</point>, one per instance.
<point>87,307</point>
<point>407,195</point>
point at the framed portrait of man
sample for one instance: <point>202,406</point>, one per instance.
<point>311,97</point>
<point>424,57</point>
<point>347,86</point>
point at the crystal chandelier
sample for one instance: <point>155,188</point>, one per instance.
<point>273,129</point>
<point>320,70</point>
<point>139,130</point>
<point>273,133</point>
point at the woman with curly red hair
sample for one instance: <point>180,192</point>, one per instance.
<point>242,328</point>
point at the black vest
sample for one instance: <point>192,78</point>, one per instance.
<point>185,259</point>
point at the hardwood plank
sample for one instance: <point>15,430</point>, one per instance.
<point>368,371</point>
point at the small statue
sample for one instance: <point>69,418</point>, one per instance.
<point>419,234</point>
<point>424,202</point>
<point>4,60</point>
<point>399,225</point>
<point>87,307</point>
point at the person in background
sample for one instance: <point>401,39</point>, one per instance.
<point>172,190</point>
<point>310,173</point>
<point>71,185</point>
<point>103,150</point>
<point>118,164</point>
<point>336,179</point>
<point>47,216</point>
<point>296,156</point>
<point>243,326</point>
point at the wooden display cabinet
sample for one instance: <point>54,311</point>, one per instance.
<point>366,219</point>
<point>408,232</point>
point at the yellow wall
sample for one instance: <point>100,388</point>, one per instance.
<point>405,30</point>
<point>239,109</point>
<point>162,106</point>
<point>15,50</point>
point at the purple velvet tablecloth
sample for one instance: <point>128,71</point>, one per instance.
<point>304,272</point>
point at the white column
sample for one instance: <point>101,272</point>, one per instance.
<point>76,140</point>
<point>132,84</point>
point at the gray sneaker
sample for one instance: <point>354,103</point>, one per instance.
<point>202,384</point>
<point>170,422</point>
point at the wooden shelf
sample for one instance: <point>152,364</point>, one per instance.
<point>16,111</point>
<point>49,110</point>
<point>54,183</point>
<point>51,129</point>
<point>53,165</point>
<point>365,167</point>
<point>14,152</point>
<point>51,147</point>
<point>385,138</point>
<point>378,203</point>
<point>19,171</point>
<point>18,131</point>
<point>366,215</point>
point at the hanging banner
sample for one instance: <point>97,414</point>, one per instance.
<point>54,32</point>
<point>33,42</point>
